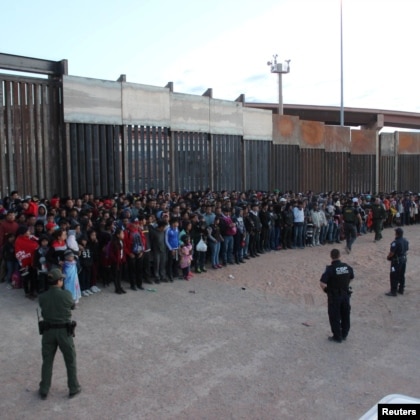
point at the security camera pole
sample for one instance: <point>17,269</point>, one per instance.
<point>279,68</point>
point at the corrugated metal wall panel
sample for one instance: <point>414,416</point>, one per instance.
<point>191,161</point>
<point>362,173</point>
<point>312,163</point>
<point>30,135</point>
<point>408,173</point>
<point>285,167</point>
<point>336,171</point>
<point>257,164</point>
<point>387,175</point>
<point>227,152</point>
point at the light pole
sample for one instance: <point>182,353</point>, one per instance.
<point>279,68</point>
<point>341,57</point>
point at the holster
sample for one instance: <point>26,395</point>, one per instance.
<point>71,328</point>
<point>43,326</point>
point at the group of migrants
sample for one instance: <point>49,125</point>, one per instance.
<point>155,237</point>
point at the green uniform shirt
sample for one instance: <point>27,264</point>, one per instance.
<point>56,305</point>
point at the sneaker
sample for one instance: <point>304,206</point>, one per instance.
<point>203,270</point>
<point>85,293</point>
<point>391,294</point>
<point>335,339</point>
<point>95,289</point>
<point>89,292</point>
<point>198,271</point>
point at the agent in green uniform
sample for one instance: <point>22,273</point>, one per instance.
<point>56,305</point>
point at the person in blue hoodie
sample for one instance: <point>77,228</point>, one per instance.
<point>172,243</point>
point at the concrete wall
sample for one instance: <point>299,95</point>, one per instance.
<point>92,101</point>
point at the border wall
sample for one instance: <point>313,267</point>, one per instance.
<point>71,135</point>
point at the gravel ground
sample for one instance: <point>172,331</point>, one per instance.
<point>249,347</point>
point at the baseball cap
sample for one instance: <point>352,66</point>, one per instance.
<point>54,275</point>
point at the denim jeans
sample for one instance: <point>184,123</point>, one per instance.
<point>227,249</point>
<point>215,251</point>
<point>298,235</point>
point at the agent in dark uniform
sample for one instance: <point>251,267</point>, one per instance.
<point>56,305</point>
<point>351,217</point>
<point>378,216</point>
<point>335,282</point>
<point>398,257</point>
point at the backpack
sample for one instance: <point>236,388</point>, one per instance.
<point>136,247</point>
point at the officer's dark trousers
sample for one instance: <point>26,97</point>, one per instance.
<point>397,277</point>
<point>52,339</point>
<point>339,314</point>
<point>350,232</point>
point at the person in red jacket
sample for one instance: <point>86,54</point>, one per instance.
<point>25,247</point>
<point>8,226</point>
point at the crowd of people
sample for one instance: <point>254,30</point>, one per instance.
<point>157,236</point>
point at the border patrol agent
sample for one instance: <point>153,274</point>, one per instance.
<point>57,331</point>
<point>398,257</point>
<point>335,282</point>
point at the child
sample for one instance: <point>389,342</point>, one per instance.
<point>186,257</point>
<point>86,262</point>
<point>44,260</point>
<point>71,281</point>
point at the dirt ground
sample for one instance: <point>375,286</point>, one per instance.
<point>245,342</point>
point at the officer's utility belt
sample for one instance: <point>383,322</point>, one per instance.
<point>338,292</point>
<point>399,260</point>
<point>45,326</point>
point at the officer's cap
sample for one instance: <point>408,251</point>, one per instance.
<point>54,275</point>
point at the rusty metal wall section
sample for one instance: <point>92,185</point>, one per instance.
<point>408,161</point>
<point>336,174</point>
<point>146,158</point>
<point>257,164</point>
<point>227,162</point>
<point>285,167</point>
<point>30,135</point>
<point>312,165</point>
<point>94,159</point>
<point>388,163</point>
<point>191,160</point>
<point>362,162</point>
<point>408,173</point>
<point>361,173</point>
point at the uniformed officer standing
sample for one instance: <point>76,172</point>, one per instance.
<point>56,305</point>
<point>398,257</point>
<point>335,282</point>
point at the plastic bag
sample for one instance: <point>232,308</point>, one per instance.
<point>201,246</point>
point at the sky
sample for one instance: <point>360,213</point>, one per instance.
<point>226,44</point>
